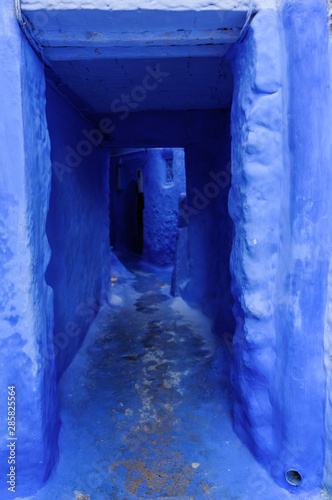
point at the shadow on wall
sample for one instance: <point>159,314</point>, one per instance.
<point>145,187</point>
<point>78,232</point>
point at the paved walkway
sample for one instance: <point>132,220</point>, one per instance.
<point>144,415</point>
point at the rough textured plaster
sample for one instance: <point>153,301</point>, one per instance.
<point>26,314</point>
<point>327,479</point>
<point>279,202</point>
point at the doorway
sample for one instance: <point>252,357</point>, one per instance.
<point>145,187</point>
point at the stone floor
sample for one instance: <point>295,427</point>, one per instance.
<point>144,413</point>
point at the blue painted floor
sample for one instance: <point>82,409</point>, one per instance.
<point>144,414</point>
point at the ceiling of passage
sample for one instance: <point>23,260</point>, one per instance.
<point>145,56</point>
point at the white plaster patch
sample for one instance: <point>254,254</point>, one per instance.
<point>80,496</point>
<point>172,336</point>
<point>148,411</point>
<point>153,356</point>
<point>174,379</point>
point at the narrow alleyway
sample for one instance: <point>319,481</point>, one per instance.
<point>143,413</point>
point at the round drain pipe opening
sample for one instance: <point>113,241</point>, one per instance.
<point>293,477</point>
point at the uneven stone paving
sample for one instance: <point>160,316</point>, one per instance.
<point>144,413</point>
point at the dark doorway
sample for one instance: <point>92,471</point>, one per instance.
<point>133,206</point>
<point>140,225</point>
<point>145,186</point>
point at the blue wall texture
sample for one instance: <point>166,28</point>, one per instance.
<point>161,205</point>
<point>77,226</point>
<point>309,223</point>
<point>279,202</point>
<point>160,215</point>
<point>209,225</point>
<point>327,480</point>
<point>26,312</point>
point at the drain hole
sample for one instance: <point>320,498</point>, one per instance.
<point>293,477</point>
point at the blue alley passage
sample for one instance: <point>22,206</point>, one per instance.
<point>101,103</point>
<point>144,414</point>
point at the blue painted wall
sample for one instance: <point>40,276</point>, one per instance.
<point>209,225</point>
<point>77,226</point>
<point>31,198</point>
<point>161,205</point>
<point>279,202</point>
<point>300,321</point>
<point>327,479</point>
<point>26,312</point>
